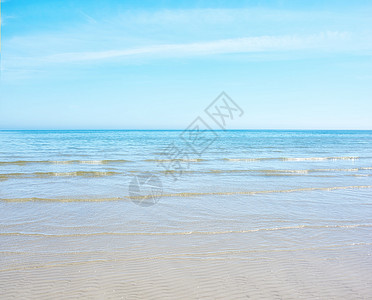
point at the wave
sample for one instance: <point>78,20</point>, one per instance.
<point>37,199</point>
<point>64,162</point>
<point>58,174</point>
<point>257,192</point>
<point>115,161</point>
<point>251,172</point>
<point>176,160</point>
<point>186,194</point>
<point>188,232</point>
<point>293,158</point>
<point>271,172</point>
<point>303,171</point>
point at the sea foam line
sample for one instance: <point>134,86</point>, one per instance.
<point>351,226</point>
<point>267,172</point>
<point>107,161</point>
<point>59,174</point>
<point>64,162</point>
<point>293,158</point>
<point>187,194</point>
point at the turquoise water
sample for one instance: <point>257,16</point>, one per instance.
<point>88,165</point>
<point>76,197</point>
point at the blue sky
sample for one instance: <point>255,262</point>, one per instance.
<point>157,64</point>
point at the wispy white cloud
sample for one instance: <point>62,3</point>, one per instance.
<point>327,41</point>
<point>142,36</point>
<point>88,17</point>
<point>5,18</point>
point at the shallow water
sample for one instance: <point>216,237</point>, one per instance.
<point>138,214</point>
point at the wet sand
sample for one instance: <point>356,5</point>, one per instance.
<point>117,250</point>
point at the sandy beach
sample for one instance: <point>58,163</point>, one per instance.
<point>276,260</point>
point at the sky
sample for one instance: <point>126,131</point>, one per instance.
<point>110,64</point>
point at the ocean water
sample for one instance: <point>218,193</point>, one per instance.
<point>165,214</point>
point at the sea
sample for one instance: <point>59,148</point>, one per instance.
<point>137,214</point>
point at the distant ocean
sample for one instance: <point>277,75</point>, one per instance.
<point>294,202</point>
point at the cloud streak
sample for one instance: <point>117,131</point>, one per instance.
<point>327,41</point>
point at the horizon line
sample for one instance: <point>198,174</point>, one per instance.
<point>262,129</point>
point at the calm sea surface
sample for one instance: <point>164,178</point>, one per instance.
<point>271,214</point>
